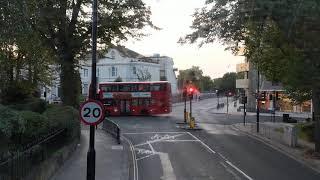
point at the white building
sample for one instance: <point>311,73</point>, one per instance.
<point>120,62</point>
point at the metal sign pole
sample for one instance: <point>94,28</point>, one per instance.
<point>91,155</point>
<point>244,114</point>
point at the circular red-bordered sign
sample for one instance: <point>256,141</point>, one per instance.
<point>92,112</point>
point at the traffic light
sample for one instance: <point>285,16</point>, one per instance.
<point>190,92</point>
<point>229,94</point>
<point>263,96</point>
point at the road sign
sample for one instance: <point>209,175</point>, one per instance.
<point>92,112</point>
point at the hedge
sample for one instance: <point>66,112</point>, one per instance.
<point>19,128</point>
<point>31,104</point>
<point>64,117</point>
<point>306,131</point>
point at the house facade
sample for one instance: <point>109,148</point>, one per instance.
<point>120,63</point>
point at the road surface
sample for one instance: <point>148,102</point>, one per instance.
<point>162,150</point>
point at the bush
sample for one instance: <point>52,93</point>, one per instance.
<point>32,104</point>
<point>60,117</point>
<point>306,131</point>
<point>36,125</point>
<point>10,121</point>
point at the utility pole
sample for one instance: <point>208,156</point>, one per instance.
<point>191,97</point>
<point>91,155</point>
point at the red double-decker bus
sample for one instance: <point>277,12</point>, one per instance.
<point>136,98</point>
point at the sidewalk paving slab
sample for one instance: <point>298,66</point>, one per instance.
<point>297,153</point>
<point>111,159</point>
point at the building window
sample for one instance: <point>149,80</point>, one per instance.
<point>85,89</point>
<point>85,72</point>
<point>114,71</point>
<point>162,73</point>
<point>134,70</point>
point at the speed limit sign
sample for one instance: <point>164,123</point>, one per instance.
<point>92,112</point>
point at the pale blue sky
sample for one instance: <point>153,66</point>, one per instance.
<point>174,17</point>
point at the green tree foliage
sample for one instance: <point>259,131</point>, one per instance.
<point>227,83</point>
<point>281,39</point>
<point>24,62</point>
<point>64,27</point>
<point>195,76</point>
<point>192,75</point>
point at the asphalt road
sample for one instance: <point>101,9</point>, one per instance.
<point>162,150</point>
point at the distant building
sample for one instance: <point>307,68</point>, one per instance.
<point>272,94</point>
<point>121,63</point>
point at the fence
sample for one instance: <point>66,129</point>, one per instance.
<point>19,165</point>
<point>112,128</point>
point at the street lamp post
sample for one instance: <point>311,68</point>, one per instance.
<point>91,154</point>
<point>258,101</point>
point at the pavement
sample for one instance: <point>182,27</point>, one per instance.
<point>234,110</point>
<point>111,159</point>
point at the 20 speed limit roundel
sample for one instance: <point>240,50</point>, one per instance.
<point>92,112</point>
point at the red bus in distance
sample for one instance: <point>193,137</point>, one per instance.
<point>136,98</point>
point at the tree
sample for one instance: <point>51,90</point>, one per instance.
<point>281,39</point>
<point>64,26</point>
<point>227,83</point>
<point>206,83</point>
<point>24,62</point>
<point>189,75</point>
<point>143,75</point>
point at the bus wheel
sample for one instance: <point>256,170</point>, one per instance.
<point>144,112</point>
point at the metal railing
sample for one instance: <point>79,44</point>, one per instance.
<point>20,164</point>
<point>112,128</point>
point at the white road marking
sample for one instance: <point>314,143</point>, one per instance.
<point>230,171</point>
<point>159,139</point>
<point>168,173</point>
<point>202,143</point>
<point>151,147</point>
<point>236,168</point>
<point>143,151</point>
<point>134,159</point>
<point>180,140</point>
<point>145,157</point>
<point>158,133</point>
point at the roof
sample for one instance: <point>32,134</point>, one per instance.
<point>126,52</point>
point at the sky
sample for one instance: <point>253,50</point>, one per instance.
<point>174,17</point>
